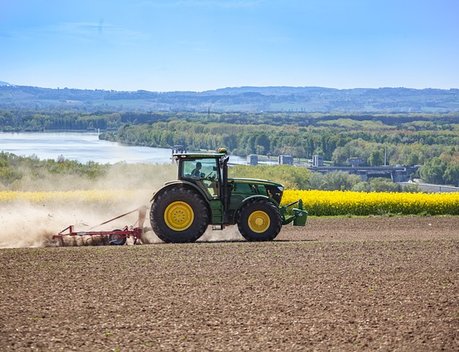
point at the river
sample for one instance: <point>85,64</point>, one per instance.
<point>83,147</point>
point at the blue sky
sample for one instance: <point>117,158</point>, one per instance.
<point>168,45</point>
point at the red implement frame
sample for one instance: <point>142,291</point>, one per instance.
<point>110,237</point>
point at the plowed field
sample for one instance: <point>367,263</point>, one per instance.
<point>378,283</point>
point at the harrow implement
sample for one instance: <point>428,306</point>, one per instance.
<point>112,237</point>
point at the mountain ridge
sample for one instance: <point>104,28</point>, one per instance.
<point>244,99</point>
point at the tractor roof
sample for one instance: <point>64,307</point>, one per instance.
<point>198,155</point>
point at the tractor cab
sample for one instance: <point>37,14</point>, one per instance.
<point>203,170</point>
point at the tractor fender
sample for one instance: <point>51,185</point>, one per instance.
<point>182,183</point>
<point>250,199</point>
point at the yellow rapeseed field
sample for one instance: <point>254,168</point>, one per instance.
<point>320,203</point>
<point>63,196</point>
<point>360,203</point>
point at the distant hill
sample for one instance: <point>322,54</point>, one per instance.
<point>243,99</point>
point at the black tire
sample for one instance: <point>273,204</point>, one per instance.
<point>116,240</point>
<point>179,215</point>
<point>259,220</point>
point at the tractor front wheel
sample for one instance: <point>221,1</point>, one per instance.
<point>179,215</point>
<point>259,220</point>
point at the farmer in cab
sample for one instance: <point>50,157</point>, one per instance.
<point>197,170</point>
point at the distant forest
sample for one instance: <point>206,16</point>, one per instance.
<point>430,140</point>
<point>396,125</point>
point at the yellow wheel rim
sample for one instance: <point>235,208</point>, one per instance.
<point>259,221</point>
<point>179,216</point>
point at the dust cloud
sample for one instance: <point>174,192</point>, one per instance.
<point>230,233</point>
<point>32,224</point>
<point>117,176</point>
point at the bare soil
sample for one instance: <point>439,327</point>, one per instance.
<point>377,283</point>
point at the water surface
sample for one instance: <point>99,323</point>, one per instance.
<point>82,147</point>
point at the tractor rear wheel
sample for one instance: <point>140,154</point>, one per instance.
<point>179,215</point>
<point>259,220</point>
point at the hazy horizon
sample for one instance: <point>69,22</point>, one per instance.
<point>223,88</point>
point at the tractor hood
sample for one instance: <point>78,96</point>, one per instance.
<point>251,187</point>
<point>256,181</point>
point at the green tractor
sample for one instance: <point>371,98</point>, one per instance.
<point>203,195</point>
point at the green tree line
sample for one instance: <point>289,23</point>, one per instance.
<point>430,140</point>
<point>436,150</point>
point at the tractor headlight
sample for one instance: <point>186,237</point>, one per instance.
<point>280,188</point>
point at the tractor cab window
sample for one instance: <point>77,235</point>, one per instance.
<point>203,172</point>
<point>200,168</point>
